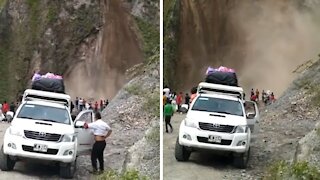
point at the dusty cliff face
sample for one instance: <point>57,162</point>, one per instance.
<point>90,43</point>
<point>264,41</point>
<point>116,48</point>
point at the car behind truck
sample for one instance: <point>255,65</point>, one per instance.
<point>43,130</point>
<point>217,120</point>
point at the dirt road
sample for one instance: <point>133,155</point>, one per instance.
<point>35,171</point>
<point>200,166</point>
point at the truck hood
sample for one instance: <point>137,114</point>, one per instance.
<point>42,126</point>
<point>216,118</point>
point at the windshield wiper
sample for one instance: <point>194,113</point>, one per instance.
<point>26,117</point>
<point>49,120</point>
<point>222,112</point>
<point>200,109</point>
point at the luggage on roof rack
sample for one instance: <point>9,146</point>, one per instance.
<point>223,78</point>
<point>47,84</point>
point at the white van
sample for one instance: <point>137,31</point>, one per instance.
<point>217,120</point>
<point>42,129</point>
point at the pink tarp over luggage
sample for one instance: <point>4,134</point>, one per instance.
<point>211,70</point>
<point>49,75</point>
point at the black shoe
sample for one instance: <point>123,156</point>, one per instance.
<point>94,171</point>
<point>167,131</point>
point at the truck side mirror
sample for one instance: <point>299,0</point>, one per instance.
<point>79,124</point>
<point>251,115</point>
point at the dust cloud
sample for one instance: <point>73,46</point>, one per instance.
<point>263,40</point>
<point>103,60</point>
<point>279,36</point>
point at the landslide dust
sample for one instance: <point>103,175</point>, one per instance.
<point>264,40</point>
<point>104,60</point>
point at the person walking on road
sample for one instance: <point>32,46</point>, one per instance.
<point>168,113</point>
<point>101,131</point>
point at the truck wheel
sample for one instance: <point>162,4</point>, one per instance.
<point>181,153</point>
<point>6,164</point>
<point>241,160</point>
<point>67,170</point>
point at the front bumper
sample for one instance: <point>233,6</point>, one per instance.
<point>196,138</point>
<point>22,147</point>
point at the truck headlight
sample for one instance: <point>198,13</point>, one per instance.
<point>189,123</point>
<point>15,131</point>
<point>68,138</point>
<point>241,129</point>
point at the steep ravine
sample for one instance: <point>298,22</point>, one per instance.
<point>264,41</point>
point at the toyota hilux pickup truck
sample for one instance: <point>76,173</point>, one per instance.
<point>217,120</point>
<point>42,129</point>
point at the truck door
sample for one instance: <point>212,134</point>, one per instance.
<point>252,113</point>
<point>85,137</point>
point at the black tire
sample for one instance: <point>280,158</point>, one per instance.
<point>181,153</point>
<point>6,164</point>
<point>67,170</point>
<point>241,160</point>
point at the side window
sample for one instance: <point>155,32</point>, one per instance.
<point>86,117</point>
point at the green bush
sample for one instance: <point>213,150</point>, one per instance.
<point>151,39</point>
<point>283,170</point>
<point>133,89</point>
<point>127,175</point>
<point>153,103</point>
<point>154,135</point>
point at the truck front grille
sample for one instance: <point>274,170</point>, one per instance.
<point>30,149</point>
<point>42,136</point>
<point>216,127</point>
<point>205,140</point>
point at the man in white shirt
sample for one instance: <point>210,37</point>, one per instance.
<point>101,130</point>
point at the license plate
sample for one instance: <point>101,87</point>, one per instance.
<point>40,147</point>
<point>215,139</point>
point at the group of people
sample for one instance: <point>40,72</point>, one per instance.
<point>178,99</point>
<point>267,97</point>
<point>81,104</point>
<point>173,102</point>
<point>7,111</point>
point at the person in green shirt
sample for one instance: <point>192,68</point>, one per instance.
<point>168,113</point>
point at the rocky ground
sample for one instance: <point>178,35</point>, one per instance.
<point>287,127</point>
<point>133,111</point>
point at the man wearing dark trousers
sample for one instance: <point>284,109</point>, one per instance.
<point>168,113</point>
<point>101,131</point>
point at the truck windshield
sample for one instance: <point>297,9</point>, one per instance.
<point>44,113</point>
<point>217,105</point>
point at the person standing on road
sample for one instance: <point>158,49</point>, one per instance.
<point>5,107</point>
<point>168,113</point>
<point>101,105</point>
<point>101,131</point>
<point>80,104</point>
<point>76,102</point>
<point>179,100</point>
<point>187,99</point>
<point>12,107</point>
<point>257,94</point>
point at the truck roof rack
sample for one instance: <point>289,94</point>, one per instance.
<point>210,88</point>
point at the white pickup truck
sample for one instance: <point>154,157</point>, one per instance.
<point>43,130</point>
<point>219,120</point>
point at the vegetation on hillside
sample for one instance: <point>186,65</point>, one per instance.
<point>170,39</point>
